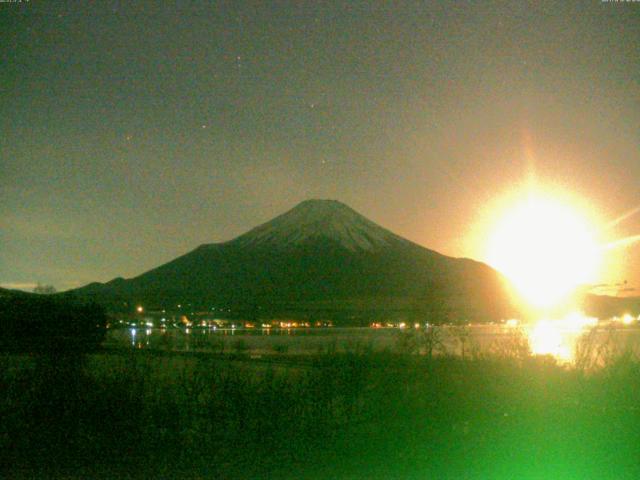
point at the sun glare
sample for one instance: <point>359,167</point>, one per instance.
<point>558,337</point>
<point>546,248</point>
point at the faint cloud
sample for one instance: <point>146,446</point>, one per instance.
<point>19,285</point>
<point>29,286</point>
<point>612,288</point>
<point>71,284</point>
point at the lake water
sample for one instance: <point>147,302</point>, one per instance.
<point>471,340</point>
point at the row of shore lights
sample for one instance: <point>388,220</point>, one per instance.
<point>140,309</point>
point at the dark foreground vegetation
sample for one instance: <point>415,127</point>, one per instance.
<point>355,415</point>
<point>44,323</point>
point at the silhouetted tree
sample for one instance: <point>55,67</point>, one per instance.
<point>44,289</point>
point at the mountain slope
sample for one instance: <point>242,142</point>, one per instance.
<point>317,219</point>
<point>320,258</point>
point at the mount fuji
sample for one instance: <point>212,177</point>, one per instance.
<point>320,259</point>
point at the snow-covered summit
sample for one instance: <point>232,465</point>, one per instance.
<point>321,219</point>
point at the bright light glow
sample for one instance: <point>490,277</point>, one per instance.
<point>512,323</point>
<point>627,319</point>
<point>140,309</point>
<point>546,249</point>
<point>546,339</point>
<point>558,337</point>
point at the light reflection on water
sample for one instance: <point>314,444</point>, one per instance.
<point>559,337</point>
<point>556,337</point>
<point>575,335</point>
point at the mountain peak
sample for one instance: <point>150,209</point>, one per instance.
<point>322,208</point>
<point>321,219</point>
<point>327,203</point>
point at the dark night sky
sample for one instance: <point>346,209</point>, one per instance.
<point>131,132</point>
